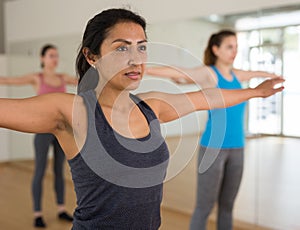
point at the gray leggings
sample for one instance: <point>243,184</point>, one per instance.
<point>219,183</point>
<point>42,143</point>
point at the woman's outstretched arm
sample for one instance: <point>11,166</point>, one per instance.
<point>244,75</point>
<point>169,107</point>
<point>41,114</point>
<point>29,79</point>
<point>200,75</point>
<point>48,113</point>
<point>70,80</point>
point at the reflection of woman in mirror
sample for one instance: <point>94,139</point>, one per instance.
<point>46,81</point>
<point>224,133</point>
<point>119,195</point>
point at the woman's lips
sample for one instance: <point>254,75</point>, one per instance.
<point>133,75</point>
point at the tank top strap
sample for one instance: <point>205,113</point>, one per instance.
<point>89,98</point>
<point>41,77</point>
<point>215,69</point>
<point>144,107</point>
<point>90,101</point>
<point>219,75</point>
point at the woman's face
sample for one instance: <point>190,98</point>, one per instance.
<point>123,56</point>
<point>50,59</point>
<point>227,51</point>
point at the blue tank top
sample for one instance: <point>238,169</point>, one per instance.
<point>118,180</point>
<point>225,127</point>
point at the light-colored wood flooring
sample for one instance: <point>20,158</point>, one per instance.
<point>15,202</point>
<point>16,206</point>
<point>274,162</point>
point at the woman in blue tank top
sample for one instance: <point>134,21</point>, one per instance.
<point>111,138</point>
<point>222,142</point>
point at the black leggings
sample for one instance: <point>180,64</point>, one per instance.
<point>41,145</point>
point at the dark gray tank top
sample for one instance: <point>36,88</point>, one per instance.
<point>118,180</point>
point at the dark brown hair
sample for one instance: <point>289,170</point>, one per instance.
<point>96,32</point>
<point>44,50</point>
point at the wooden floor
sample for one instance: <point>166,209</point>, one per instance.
<point>16,206</point>
<point>16,202</point>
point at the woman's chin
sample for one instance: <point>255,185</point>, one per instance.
<point>133,86</point>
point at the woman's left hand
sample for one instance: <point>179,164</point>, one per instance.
<point>268,87</point>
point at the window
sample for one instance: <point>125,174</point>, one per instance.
<point>275,50</point>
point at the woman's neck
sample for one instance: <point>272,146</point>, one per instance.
<point>48,71</point>
<point>224,68</point>
<point>116,99</point>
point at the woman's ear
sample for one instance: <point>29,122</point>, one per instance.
<point>89,56</point>
<point>215,49</point>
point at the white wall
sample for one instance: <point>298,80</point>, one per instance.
<point>42,18</point>
<point>67,46</point>
<point>4,134</point>
<point>20,144</point>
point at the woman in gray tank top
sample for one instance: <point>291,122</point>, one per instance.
<point>112,138</point>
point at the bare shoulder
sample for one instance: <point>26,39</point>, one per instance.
<point>63,101</point>
<point>205,76</point>
<point>33,77</point>
<point>69,79</point>
<point>202,68</point>
<point>152,98</point>
<point>151,95</point>
<point>69,101</point>
<point>238,71</point>
<point>67,105</point>
<point>59,97</point>
<point>243,75</point>
<point>156,98</point>
<point>64,75</point>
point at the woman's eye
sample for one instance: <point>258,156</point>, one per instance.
<point>142,48</point>
<point>122,48</point>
